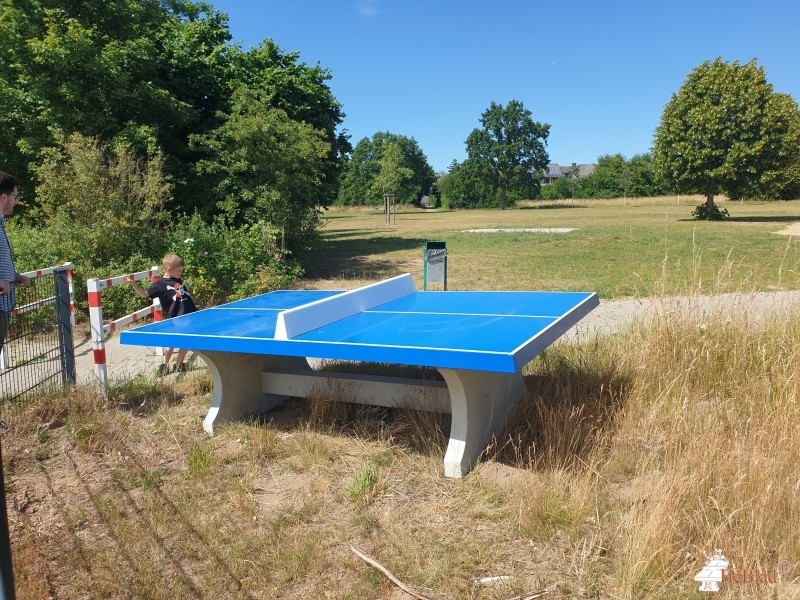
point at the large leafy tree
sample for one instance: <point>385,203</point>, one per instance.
<point>161,79</point>
<point>510,149</point>
<point>610,178</point>
<point>266,167</point>
<point>302,92</point>
<point>465,186</point>
<point>725,131</point>
<point>101,202</point>
<point>145,73</point>
<point>366,172</point>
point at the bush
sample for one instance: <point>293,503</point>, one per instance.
<point>37,248</point>
<point>225,263</point>
<point>717,213</point>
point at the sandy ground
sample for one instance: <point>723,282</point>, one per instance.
<point>793,229</point>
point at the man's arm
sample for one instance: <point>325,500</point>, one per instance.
<point>4,287</point>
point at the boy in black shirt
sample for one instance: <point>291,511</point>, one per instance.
<point>174,298</point>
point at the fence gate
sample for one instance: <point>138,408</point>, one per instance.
<point>38,352</point>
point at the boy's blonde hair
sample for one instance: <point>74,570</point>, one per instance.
<point>170,261</point>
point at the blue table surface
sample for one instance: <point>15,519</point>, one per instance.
<point>484,331</point>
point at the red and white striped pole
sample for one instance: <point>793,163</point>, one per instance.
<point>70,284</point>
<point>100,330</point>
<point>94,287</point>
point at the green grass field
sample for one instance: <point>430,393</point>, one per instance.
<point>640,247</point>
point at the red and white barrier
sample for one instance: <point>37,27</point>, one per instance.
<point>100,330</point>
<point>19,310</point>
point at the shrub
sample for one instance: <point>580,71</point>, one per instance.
<point>225,263</point>
<point>717,213</point>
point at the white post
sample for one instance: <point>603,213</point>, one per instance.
<point>98,334</point>
<point>70,277</point>
<point>99,329</point>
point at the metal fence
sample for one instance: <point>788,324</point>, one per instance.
<point>39,352</point>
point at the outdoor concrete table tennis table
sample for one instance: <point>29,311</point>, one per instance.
<point>257,350</point>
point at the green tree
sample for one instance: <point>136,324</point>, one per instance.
<point>642,177</point>
<point>723,132</point>
<point>510,148</point>
<point>393,175</point>
<point>563,187</point>
<point>608,178</point>
<point>142,72</point>
<point>302,92</point>
<point>782,179</point>
<point>465,186</point>
<point>364,166</point>
<point>267,167</point>
<point>101,203</point>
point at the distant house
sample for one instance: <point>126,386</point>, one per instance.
<point>556,171</point>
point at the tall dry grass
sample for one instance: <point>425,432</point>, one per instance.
<point>630,456</point>
<point>710,433</point>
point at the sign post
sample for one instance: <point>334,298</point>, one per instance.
<point>435,264</point>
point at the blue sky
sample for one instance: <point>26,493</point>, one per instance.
<point>598,72</point>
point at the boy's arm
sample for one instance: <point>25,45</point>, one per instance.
<point>136,287</point>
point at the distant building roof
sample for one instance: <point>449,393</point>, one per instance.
<point>553,171</point>
<point>556,171</point>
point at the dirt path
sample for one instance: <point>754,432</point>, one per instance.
<point>793,229</point>
<point>614,315</point>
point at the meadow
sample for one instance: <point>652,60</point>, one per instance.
<point>631,458</point>
<point>619,248</point>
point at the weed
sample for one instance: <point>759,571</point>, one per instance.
<point>200,459</point>
<point>150,480</point>
<point>364,488</point>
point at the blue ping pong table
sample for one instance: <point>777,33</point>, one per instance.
<point>257,350</point>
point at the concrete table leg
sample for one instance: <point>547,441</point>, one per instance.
<point>480,403</point>
<point>236,381</point>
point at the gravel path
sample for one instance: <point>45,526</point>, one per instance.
<point>613,315</point>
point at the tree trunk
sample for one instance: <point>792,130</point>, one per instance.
<point>709,205</point>
<point>502,197</point>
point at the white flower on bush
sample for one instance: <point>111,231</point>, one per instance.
<point>702,326</point>
<point>188,241</point>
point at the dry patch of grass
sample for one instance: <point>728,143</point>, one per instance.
<point>629,457</point>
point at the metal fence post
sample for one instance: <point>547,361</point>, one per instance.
<point>6,564</point>
<point>63,294</point>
